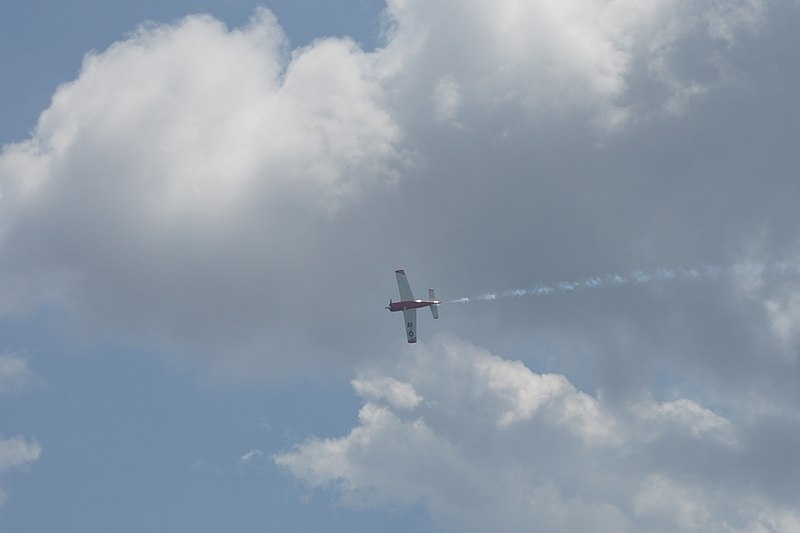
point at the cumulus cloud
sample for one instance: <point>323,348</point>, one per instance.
<point>179,181</point>
<point>496,444</point>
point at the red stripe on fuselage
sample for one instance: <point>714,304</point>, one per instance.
<point>411,304</point>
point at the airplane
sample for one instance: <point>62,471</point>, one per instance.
<point>408,305</point>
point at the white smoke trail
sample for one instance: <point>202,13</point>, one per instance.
<point>640,277</point>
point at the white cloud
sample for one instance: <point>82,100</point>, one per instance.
<point>399,395</point>
<point>446,100</point>
<point>193,116</point>
<point>663,498</point>
<point>686,415</point>
<point>15,376</point>
<point>562,56</point>
<point>725,19</point>
<point>172,189</point>
<point>16,452</point>
<point>665,504</point>
<point>495,444</point>
<point>783,311</point>
<point>251,456</point>
<point>772,291</point>
<point>187,120</point>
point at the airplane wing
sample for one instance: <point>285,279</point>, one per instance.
<point>402,284</point>
<point>410,318</point>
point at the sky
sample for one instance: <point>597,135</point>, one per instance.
<point>202,205</point>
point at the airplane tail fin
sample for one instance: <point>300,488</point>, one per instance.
<point>434,307</point>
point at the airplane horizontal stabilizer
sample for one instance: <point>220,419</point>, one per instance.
<point>434,307</point>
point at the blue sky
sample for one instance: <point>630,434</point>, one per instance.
<point>202,205</point>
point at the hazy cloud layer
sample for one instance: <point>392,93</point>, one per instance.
<point>495,445</point>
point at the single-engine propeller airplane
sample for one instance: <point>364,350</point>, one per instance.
<point>408,305</point>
